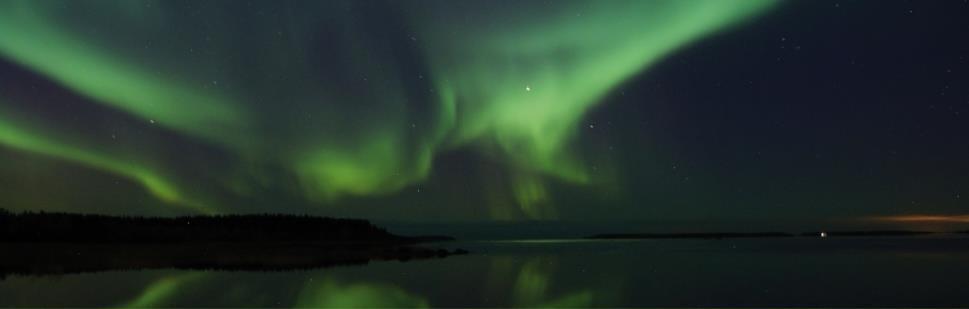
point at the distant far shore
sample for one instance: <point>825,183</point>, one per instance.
<point>824,234</point>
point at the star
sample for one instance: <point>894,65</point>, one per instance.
<point>528,88</point>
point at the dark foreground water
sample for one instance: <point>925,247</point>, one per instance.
<point>856,272</point>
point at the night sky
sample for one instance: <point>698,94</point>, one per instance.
<point>738,113</point>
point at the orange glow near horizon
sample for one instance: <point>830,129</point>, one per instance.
<point>923,218</point>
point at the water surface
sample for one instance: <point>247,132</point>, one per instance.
<point>857,272</point>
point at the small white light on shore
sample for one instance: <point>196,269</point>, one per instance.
<point>824,234</point>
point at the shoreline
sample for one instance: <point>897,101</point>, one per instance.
<point>52,258</point>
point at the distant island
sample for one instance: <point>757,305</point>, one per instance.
<point>56,243</point>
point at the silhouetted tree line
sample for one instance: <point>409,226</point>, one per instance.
<point>65,227</point>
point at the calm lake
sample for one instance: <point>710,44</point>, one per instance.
<point>856,272</point>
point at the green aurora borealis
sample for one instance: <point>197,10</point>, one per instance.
<point>654,113</point>
<point>321,95</point>
<point>519,128</point>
